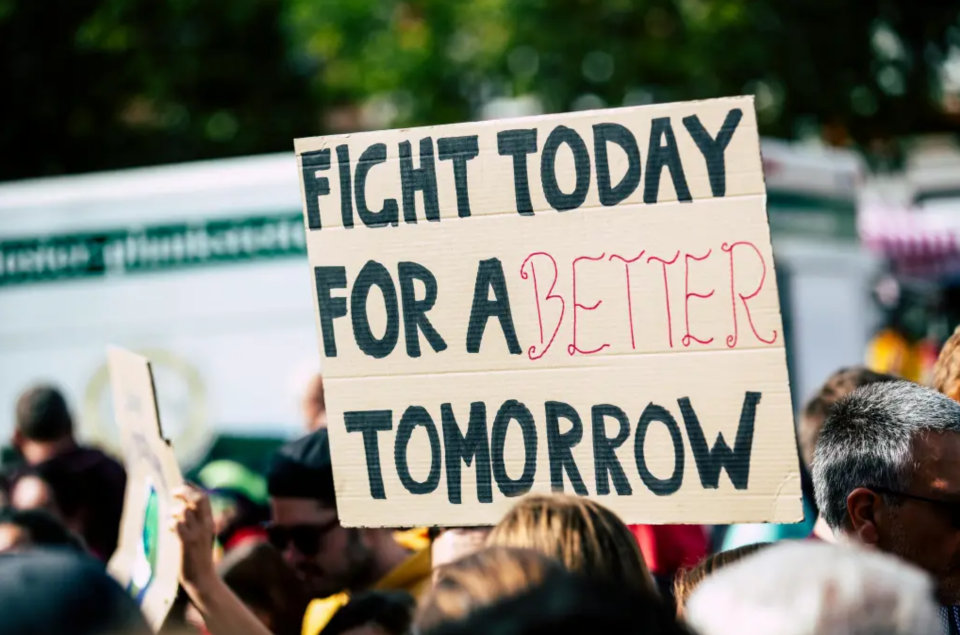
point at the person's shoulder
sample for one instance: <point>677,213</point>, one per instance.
<point>96,459</point>
<point>92,465</point>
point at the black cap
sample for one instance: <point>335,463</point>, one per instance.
<point>53,591</point>
<point>302,469</point>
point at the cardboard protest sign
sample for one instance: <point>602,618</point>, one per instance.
<point>147,559</point>
<point>583,302</point>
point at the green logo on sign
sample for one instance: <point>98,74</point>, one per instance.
<point>146,560</point>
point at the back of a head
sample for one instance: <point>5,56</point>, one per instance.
<point>481,579</point>
<point>570,604</point>
<point>302,469</point>
<point>388,611</point>
<point>43,415</point>
<point>688,580</point>
<point>867,441</point>
<point>61,592</point>
<point>584,536</point>
<point>815,412</point>
<point>809,588</point>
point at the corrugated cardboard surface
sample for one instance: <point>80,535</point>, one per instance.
<point>149,459</point>
<point>705,327</point>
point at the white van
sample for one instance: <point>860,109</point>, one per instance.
<point>201,266</point>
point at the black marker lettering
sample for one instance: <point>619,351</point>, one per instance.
<point>658,486</point>
<point>314,185</point>
<point>604,458</point>
<point>709,462</point>
<point>413,417</point>
<point>490,276</point>
<point>422,179</point>
<point>560,446</point>
<point>518,144</point>
<point>469,447</point>
<point>374,274</point>
<point>346,192</point>
<point>559,200</point>
<point>713,149</point>
<point>513,410</point>
<point>664,156</point>
<point>615,133</point>
<point>460,150</point>
<point>369,423</point>
<point>327,279</point>
<point>389,214</point>
<point>415,311</point>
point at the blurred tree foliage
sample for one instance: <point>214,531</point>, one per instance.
<point>96,84</point>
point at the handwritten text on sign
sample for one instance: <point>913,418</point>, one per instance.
<point>583,302</point>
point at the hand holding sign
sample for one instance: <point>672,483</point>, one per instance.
<point>583,302</point>
<point>193,522</point>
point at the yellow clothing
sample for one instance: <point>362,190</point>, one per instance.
<point>412,575</point>
<point>413,539</point>
<point>890,352</point>
<point>320,612</point>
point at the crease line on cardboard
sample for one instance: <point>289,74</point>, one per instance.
<point>573,367</point>
<point>546,210</point>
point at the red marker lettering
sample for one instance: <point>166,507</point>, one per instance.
<point>666,291</point>
<point>532,351</point>
<point>732,339</point>
<point>626,269</point>
<point>687,295</point>
<point>572,348</point>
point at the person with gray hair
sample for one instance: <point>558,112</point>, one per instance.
<point>886,473</point>
<point>815,588</point>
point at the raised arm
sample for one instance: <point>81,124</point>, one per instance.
<point>223,612</point>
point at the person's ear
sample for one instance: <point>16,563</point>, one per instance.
<point>17,440</point>
<point>863,506</point>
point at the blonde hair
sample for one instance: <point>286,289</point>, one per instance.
<point>584,536</point>
<point>687,580</point>
<point>479,580</point>
<point>946,372</point>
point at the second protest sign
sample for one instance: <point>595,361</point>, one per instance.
<point>583,303</point>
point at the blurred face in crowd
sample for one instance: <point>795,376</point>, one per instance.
<point>923,524</point>
<point>327,557</point>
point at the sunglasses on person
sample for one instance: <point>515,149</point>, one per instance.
<point>305,538</point>
<point>950,509</point>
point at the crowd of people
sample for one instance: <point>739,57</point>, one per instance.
<point>265,554</point>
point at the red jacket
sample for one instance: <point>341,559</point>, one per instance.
<point>667,548</point>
